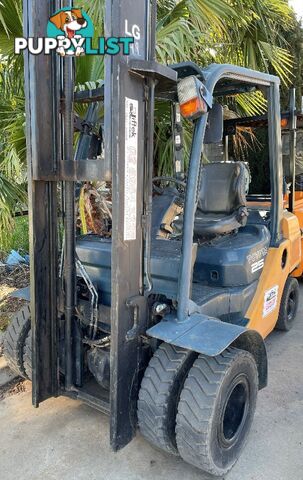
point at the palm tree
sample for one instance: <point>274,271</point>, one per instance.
<point>251,33</point>
<point>12,120</point>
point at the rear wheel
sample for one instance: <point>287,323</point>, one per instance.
<point>159,395</point>
<point>14,341</point>
<point>289,305</point>
<point>216,410</point>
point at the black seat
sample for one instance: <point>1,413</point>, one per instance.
<point>222,200</point>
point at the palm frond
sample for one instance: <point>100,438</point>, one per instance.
<point>12,197</point>
<point>252,33</point>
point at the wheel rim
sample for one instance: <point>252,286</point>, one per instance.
<point>234,412</point>
<point>291,306</point>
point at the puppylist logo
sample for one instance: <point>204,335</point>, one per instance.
<point>70,32</point>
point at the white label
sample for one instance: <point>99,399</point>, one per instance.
<point>178,140</point>
<point>256,256</point>
<point>131,169</point>
<point>132,31</point>
<point>178,166</point>
<point>135,32</point>
<point>270,300</point>
<point>257,266</point>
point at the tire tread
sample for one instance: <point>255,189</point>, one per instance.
<point>14,340</point>
<point>155,395</point>
<point>27,356</point>
<point>196,407</point>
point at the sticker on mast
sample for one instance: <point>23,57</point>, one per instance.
<point>131,169</point>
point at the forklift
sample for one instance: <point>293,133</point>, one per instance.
<point>161,324</point>
<point>292,155</point>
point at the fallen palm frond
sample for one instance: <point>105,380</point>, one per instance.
<point>95,209</point>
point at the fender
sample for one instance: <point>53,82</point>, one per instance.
<point>210,336</point>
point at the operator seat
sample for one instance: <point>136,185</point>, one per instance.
<point>222,199</point>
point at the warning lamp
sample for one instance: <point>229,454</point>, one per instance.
<point>284,122</point>
<point>194,99</point>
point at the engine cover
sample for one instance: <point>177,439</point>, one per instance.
<point>233,260</point>
<point>95,255</point>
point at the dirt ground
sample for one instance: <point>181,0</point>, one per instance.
<point>67,440</point>
<point>11,280</point>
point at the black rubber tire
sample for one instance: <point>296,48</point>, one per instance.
<point>14,341</point>
<point>208,435</point>
<point>159,395</point>
<point>27,356</point>
<point>289,305</point>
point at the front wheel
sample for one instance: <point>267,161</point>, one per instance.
<point>159,395</point>
<point>216,410</point>
<point>15,339</point>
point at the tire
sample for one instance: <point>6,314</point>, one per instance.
<point>159,395</point>
<point>289,305</point>
<point>14,341</point>
<point>216,410</point>
<point>27,356</point>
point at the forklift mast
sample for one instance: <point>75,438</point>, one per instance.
<point>129,109</point>
<point>292,146</point>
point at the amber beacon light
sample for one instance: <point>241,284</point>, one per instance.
<point>193,98</point>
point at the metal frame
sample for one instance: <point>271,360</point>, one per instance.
<point>128,258</point>
<point>43,151</point>
<point>51,160</point>
<point>212,76</point>
<point>292,147</point>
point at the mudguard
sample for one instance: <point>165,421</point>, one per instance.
<point>210,336</point>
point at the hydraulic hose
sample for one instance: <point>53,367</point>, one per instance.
<point>150,156</point>
<point>70,232</point>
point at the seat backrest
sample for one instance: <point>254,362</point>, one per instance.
<point>223,186</point>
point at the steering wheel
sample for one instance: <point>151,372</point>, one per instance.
<point>160,190</point>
